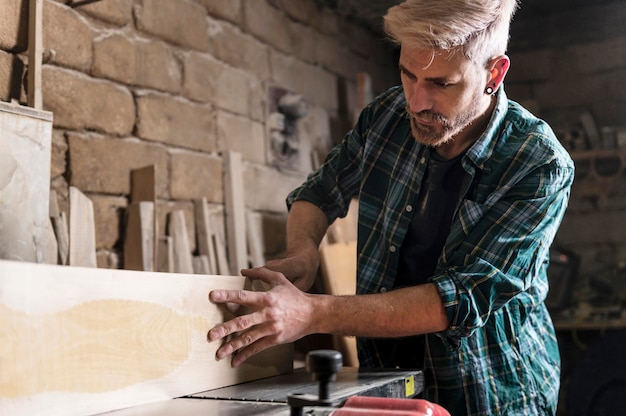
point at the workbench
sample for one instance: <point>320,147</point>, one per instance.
<point>269,396</point>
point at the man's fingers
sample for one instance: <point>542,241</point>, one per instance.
<point>254,348</point>
<point>239,297</point>
<point>235,325</point>
<point>264,274</point>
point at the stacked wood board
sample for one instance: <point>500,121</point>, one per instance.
<point>80,341</point>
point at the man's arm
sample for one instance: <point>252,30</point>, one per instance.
<point>286,314</point>
<point>306,226</point>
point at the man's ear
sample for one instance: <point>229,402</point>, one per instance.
<point>497,67</point>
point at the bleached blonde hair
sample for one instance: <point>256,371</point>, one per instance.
<point>478,28</point>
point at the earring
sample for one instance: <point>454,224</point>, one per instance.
<point>488,90</point>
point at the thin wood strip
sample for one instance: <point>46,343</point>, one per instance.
<point>82,250</point>
<point>35,49</point>
<point>234,208</point>
<point>204,233</point>
<point>180,240</point>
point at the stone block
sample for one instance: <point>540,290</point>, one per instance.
<point>229,44</point>
<point>259,179</point>
<point>268,24</point>
<point>334,56</point>
<point>305,41</point>
<point>181,22</point>
<point>59,153</point>
<point>13,25</point>
<point>358,39</point>
<point>176,121</point>
<point>241,135</point>
<point>326,22</point>
<point>318,86</point>
<point>118,12</point>
<point>224,9</point>
<point>137,62</point>
<point>305,11</point>
<point>109,214</point>
<point>195,176</point>
<point>83,103</point>
<point>209,80</point>
<point>68,34</point>
<point>6,75</point>
<point>101,164</point>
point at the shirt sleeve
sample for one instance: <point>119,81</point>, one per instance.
<point>502,246</point>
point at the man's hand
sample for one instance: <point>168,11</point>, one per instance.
<point>281,315</point>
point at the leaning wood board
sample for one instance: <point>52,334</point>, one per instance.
<point>79,341</point>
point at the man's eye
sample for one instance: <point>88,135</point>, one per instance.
<point>443,84</point>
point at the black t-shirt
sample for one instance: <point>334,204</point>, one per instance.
<point>430,226</point>
<point>432,218</point>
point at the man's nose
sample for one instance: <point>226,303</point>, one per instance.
<point>419,98</point>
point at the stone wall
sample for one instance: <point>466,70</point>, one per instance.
<point>569,67</point>
<point>175,83</point>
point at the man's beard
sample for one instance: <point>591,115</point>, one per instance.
<point>444,130</point>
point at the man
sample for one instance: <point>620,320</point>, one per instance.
<point>461,192</point>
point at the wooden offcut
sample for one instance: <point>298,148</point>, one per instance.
<point>82,230</point>
<point>139,247</point>
<point>204,233</point>
<point>79,341</point>
<point>177,225</point>
<point>35,50</point>
<point>235,211</point>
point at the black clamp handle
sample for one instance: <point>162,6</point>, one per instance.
<point>323,366</point>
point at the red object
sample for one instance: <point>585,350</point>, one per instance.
<point>359,406</point>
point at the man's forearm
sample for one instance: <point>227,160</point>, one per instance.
<point>399,313</point>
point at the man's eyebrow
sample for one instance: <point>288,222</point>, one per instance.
<point>430,79</point>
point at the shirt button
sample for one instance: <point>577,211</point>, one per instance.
<point>423,160</point>
<point>409,208</point>
<point>383,290</point>
<point>392,249</point>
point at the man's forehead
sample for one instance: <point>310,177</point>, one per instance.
<point>420,59</point>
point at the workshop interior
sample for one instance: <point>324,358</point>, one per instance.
<point>146,151</point>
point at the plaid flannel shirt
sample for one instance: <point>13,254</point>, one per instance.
<point>499,355</point>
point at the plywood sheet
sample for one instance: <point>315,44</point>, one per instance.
<point>79,341</point>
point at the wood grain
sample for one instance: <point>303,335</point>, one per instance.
<point>78,341</point>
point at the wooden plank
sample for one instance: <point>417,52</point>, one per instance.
<point>139,241</point>
<point>344,230</point>
<point>235,211</point>
<point>59,224</point>
<point>204,233</point>
<point>51,252</point>
<point>338,267</point>
<point>35,49</point>
<point>143,189</point>
<point>79,341</point>
<point>82,231</point>
<point>255,240</point>
<point>220,251</point>
<point>182,260</point>
<point>165,255</point>
<point>143,184</point>
<point>201,264</point>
